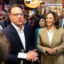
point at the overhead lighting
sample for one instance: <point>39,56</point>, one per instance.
<point>41,1</point>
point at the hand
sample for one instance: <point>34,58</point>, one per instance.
<point>36,58</point>
<point>51,51</point>
<point>54,50</point>
<point>32,55</point>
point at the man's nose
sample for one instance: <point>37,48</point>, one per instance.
<point>19,15</point>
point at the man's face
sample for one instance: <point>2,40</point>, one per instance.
<point>16,16</point>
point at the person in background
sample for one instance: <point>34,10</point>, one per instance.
<point>19,35</point>
<point>50,41</point>
<point>31,21</point>
<point>4,48</point>
<point>61,20</point>
<point>5,23</point>
<point>35,24</point>
<point>41,25</point>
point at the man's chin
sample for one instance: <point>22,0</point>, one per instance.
<point>19,24</point>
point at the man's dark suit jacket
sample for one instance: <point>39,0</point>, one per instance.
<point>15,43</point>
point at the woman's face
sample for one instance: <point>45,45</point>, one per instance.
<point>42,22</point>
<point>50,19</point>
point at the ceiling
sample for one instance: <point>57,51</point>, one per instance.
<point>51,1</point>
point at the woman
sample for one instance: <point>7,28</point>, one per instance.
<point>51,41</point>
<point>41,25</point>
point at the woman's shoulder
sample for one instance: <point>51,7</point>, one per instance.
<point>42,29</point>
<point>60,30</point>
<point>37,29</point>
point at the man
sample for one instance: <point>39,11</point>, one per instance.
<point>61,21</point>
<point>19,35</point>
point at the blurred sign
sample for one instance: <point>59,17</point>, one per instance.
<point>32,3</point>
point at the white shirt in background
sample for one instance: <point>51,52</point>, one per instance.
<point>63,23</point>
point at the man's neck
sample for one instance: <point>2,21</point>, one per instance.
<point>17,26</point>
<point>20,26</point>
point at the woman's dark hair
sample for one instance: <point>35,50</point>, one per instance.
<point>42,17</point>
<point>55,18</point>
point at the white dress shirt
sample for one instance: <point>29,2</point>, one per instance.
<point>22,38</point>
<point>50,35</point>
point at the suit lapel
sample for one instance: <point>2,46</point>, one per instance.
<point>18,41</point>
<point>54,37</point>
<point>46,36</point>
<point>25,36</point>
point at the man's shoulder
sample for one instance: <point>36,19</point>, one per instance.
<point>7,27</point>
<point>2,24</point>
<point>9,31</point>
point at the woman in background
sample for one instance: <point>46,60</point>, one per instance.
<point>4,48</point>
<point>50,41</point>
<point>41,25</point>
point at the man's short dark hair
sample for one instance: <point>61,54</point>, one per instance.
<point>15,5</point>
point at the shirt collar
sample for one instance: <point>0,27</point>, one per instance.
<point>17,28</point>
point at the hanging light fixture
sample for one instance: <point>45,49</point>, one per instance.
<point>32,3</point>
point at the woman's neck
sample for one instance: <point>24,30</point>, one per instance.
<point>50,27</point>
